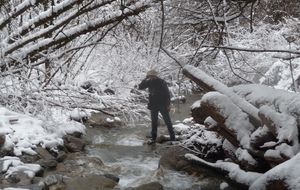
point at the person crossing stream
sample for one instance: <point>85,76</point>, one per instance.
<point>159,102</point>
<point>118,158</point>
<point>124,152</point>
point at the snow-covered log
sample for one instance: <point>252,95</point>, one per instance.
<point>208,83</point>
<point>233,124</point>
<point>229,117</point>
<point>261,136</point>
<point>274,138</point>
<point>284,176</point>
<point>282,125</point>
<point>280,100</point>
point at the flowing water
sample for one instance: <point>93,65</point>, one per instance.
<point>134,162</point>
<point>124,152</point>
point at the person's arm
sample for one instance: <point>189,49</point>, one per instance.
<point>144,84</point>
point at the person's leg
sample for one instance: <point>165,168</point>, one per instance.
<point>165,113</point>
<point>154,120</point>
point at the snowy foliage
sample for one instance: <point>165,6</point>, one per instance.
<point>49,51</point>
<point>40,72</point>
<point>236,51</point>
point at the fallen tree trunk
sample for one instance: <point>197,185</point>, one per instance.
<point>208,83</point>
<point>260,126</point>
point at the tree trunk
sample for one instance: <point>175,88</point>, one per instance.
<point>208,83</point>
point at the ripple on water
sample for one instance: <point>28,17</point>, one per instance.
<point>135,171</point>
<point>131,140</point>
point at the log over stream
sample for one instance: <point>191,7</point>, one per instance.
<point>254,120</point>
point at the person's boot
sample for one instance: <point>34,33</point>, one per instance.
<point>151,141</point>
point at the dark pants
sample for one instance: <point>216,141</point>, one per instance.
<point>154,118</point>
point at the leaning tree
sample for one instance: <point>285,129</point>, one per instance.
<point>42,39</point>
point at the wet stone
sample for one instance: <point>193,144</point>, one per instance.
<point>73,144</point>
<point>39,186</point>
<point>48,163</point>
<point>6,152</point>
<point>174,159</point>
<point>94,182</point>
<point>46,159</point>
<point>111,176</point>
<point>61,156</point>
<point>2,139</point>
<point>52,180</point>
<point>151,186</point>
<point>29,158</point>
<point>19,178</point>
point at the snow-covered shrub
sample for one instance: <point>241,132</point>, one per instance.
<point>206,144</point>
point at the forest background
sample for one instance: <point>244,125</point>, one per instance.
<point>50,49</point>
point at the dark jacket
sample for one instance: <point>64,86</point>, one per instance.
<point>159,95</point>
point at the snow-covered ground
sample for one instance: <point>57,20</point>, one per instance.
<point>23,133</point>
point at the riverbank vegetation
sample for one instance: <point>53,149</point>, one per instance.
<point>61,56</point>
<point>47,56</point>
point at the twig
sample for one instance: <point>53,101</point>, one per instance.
<point>232,68</point>
<point>172,57</point>
<point>254,50</point>
<point>162,23</point>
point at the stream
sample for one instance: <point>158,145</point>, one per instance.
<point>124,151</point>
<point>135,163</point>
<point>125,155</point>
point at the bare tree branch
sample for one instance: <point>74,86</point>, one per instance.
<point>254,50</point>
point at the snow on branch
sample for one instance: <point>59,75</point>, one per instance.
<point>17,11</point>
<point>221,19</point>
<point>32,45</point>
<point>44,32</point>
<point>41,19</point>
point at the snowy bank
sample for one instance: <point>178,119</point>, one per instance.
<point>21,134</point>
<point>24,133</point>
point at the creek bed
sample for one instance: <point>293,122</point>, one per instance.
<point>127,156</point>
<point>123,153</point>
